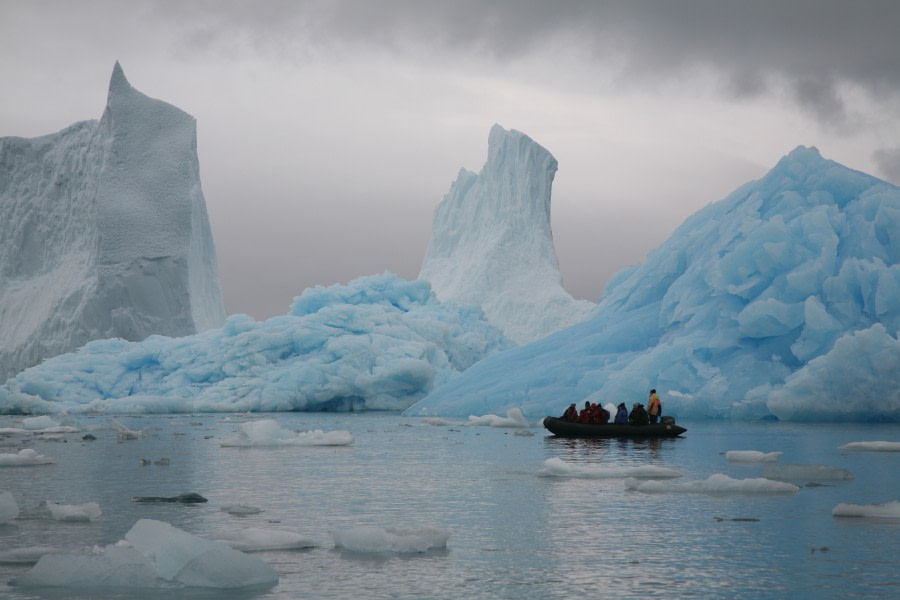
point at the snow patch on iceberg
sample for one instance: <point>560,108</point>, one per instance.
<point>492,245</point>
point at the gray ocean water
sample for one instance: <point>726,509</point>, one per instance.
<point>513,533</point>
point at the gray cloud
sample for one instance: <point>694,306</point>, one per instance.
<point>888,161</point>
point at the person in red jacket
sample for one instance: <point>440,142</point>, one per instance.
<point>585,415</point>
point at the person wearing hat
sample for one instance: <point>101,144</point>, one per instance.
<point>571,413</point>
<point>638,415</point>
<point>621,415</point>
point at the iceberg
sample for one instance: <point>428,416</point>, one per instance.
<point>104,232</point>
<point>492,245</point>
<point>377,343</point>
<point>154,554</point>
<point>781,300</point>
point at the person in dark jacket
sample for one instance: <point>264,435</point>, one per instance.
<point>621,415</point>
<point>638,415</point>
<point>571,413</point>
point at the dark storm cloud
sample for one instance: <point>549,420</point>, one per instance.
<point>810,47</point>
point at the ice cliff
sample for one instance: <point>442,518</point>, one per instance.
<point>782,299</point>
<point>492,246</point>
<point>104,232</point>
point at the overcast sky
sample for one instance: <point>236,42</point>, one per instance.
<point>329,130</point>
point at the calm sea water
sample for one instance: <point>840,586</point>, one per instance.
<point>514,534</point>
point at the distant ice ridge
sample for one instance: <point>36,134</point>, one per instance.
<point>104,232</point>
<point>782,299</point>
<point>378,343</point>
<point>492,246</point>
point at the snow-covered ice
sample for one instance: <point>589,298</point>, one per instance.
<point>377,343</point>
<point>874,446</point>
<point>492,244</point>
<point>782,299</point>
<point>9,509</point>
<point>714,484</point>
<point>391,539</point>
<point>26,457</point>
<point>154,554</point>
<point>557,467</point>
<point>751,456</point>
<point>887,510</point>
<point>257,539</point>
<point>104,232</point>
<point>268,432</point>
<point>806,473</point>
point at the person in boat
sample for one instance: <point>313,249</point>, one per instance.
<point>621,415</point>
<point>654,407</point>
<point>599,415</point>
<point>585,415</point>
<point>638,415</point>
<point>571,413</point>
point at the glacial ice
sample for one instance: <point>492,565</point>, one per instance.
<point>782,299</point>
<point>154,554</point>
<point>269,432</point>
<point>492,245</point>
<point>9,509</point>
<point>379,342</point>
<point>26,457</point>
<point>104,232</point>
<point>401,540</point>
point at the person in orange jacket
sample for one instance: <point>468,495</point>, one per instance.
<point>654,407</point>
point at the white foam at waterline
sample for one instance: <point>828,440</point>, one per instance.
<point>255,539</point>
<point>556,467</point>
<point>26,556</point>
<point>390,539</point>
<point>788,472</point>
<point>879,446</point>
<point>26,457</point>
<point>887,510</point>
<point>751,456</point>
<point>9,510</point>
<point>513,418</point>
<point>715,484</point>
<point>268,432</point>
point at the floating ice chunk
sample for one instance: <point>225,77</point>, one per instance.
<point>89,511</point>
<point>123,433</point>
<point>9,510</point>
<point>751,456</point>
<point>439,422</point>
<point>879,446</point>
<point>268,432</point>
<point>26,556</point>
<point>25,458</point>
<point>254,539</point>
<point>240,511</point>
<point>888,510</point>
<point>806,473</point>
<point>391,539</point>
<point>514,418</point>
<point>556,467</point>
<point>10,431</point>
<point>42,422</point>
<point>118,565</point>
<point>715,484</point>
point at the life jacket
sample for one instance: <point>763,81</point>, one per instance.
<point>654,407</point>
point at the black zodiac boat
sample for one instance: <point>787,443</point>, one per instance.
<point>569,429</point>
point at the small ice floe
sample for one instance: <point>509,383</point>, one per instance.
<point>36,423</point>
<point>254,539</point>
<point>26,556</point>
<point>806,473</point>
<point>439,422</point>
<point>556,467</point>
<point>26,457</point>
<point>887,510</point>
<point>71,513</point>
<point>268,432</point>
<point>751,456</point>
<point>513,418</point>
<point>9,510</point>
<point>239,510</point>
<point>12,431</point>
<point>153,555</point>
<point>715,484</point>
<point>390,539</point>
<point>879,446</point>
<point>123,433</point>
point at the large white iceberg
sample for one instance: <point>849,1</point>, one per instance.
<point>378,343</point>
<point>104,232</point>
<point>492,246</point>
<point>782,299</point>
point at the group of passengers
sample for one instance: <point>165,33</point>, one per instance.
<point>595,414</point>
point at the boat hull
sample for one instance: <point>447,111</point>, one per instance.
<point>562,428</point>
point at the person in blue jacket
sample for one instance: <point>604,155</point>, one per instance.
<point>621,415</point>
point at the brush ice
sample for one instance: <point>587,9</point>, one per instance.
<point>782,299</point>
<point>390,539</point>
<point>104,232</point>
<point>268,432</point>
<point>492,245</point>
